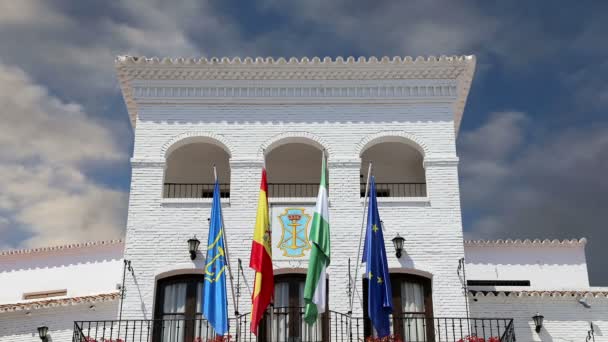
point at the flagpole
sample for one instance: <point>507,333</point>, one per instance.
<point>354,283</point>
<point>236,309</point>
<point>271,304</point>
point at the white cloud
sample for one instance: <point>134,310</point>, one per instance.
<point>553,187</point>
<point>44,143</point>
<point>76,53</point>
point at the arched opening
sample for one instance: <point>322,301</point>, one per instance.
<point>294,170</point>
<point>189,171</point>
<point>398,168</point>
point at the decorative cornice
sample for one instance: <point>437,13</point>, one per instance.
<point>459,68</point>
<point>300,93</point>
<point>268,68</point>
<point>548,294</point>
<point>50,303</point>
<point>392,136</point>
<point>526,243</point>
<point>61,248</point>
<point>193,137</point>
<point>295,137</point>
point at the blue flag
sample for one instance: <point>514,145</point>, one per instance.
<point>215,300</point>
<point>379,297</point>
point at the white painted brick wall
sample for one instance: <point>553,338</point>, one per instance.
<point>157,231</point>
<point>558,267</point>
<point>82,272</point>
<point>565,318</point>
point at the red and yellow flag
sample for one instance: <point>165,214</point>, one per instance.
<point>261,259</point>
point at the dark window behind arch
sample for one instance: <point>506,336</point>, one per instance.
<point>178,309</point>
<point>412,307</point>
<point>287,320</point>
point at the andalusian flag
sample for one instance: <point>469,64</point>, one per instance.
<point>261,259</point>
<point>316,278</point>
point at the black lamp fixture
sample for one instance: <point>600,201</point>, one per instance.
<point>42,332</point>
<point>538,321</point>
<point>398,244</point>
<point>193,247</point>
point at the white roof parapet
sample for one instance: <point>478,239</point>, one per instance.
<point>460,68</point>
<point>61,247</point>
<point>527,242</point>
<point>49,303</point>
<point>540,293</point>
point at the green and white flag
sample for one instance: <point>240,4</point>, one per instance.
<point>316,279</point>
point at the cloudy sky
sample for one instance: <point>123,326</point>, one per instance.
<point>533,143</point>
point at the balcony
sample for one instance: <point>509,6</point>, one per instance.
<point>294,170</point>
<point>287,324</point>
<point>189,172</point>
<point>284,190</point>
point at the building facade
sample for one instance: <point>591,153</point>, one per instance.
<point>399,115</point>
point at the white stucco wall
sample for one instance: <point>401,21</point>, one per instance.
<point>157,230</point>
<point>87,270</point>
<point>550,266</point>
<point>81,271</point>
<point>565,319</point>
<point>22,327</point>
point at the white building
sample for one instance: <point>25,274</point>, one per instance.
<point>401,114</point>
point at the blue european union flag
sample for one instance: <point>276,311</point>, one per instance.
<point>379,297</point>
<point>215,300</point>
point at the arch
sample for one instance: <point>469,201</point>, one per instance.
<point>178,269</point>
<point>412,271</point>
<point>195,137</point>
<point>294,137</point>
<point>392,136</point>
<point>189,159</point>
<point>290,270</point>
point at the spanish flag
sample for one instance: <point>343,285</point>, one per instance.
<point>261,259</point>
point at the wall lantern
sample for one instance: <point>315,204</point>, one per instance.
<point>193,247</point>
<point>398,243</point>
<point>42,332</point>
<point>538,321</point>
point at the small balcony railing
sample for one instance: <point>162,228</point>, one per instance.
<point>398,189</point>
<point>287,325</point>
<point>194,190</point>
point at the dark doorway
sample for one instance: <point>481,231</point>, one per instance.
<point>178,309</point>
<point>412,308</point>
<point>286,321</point>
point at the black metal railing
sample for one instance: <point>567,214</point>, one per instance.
<point>286,190</point>
<point>165,330</point>
<point>287,324</point>
<point>194,190</point>
<point>398,189</point>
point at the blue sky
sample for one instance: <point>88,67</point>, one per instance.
<point>533,143</point>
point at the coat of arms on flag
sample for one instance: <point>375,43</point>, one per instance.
<point>294,232</point>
